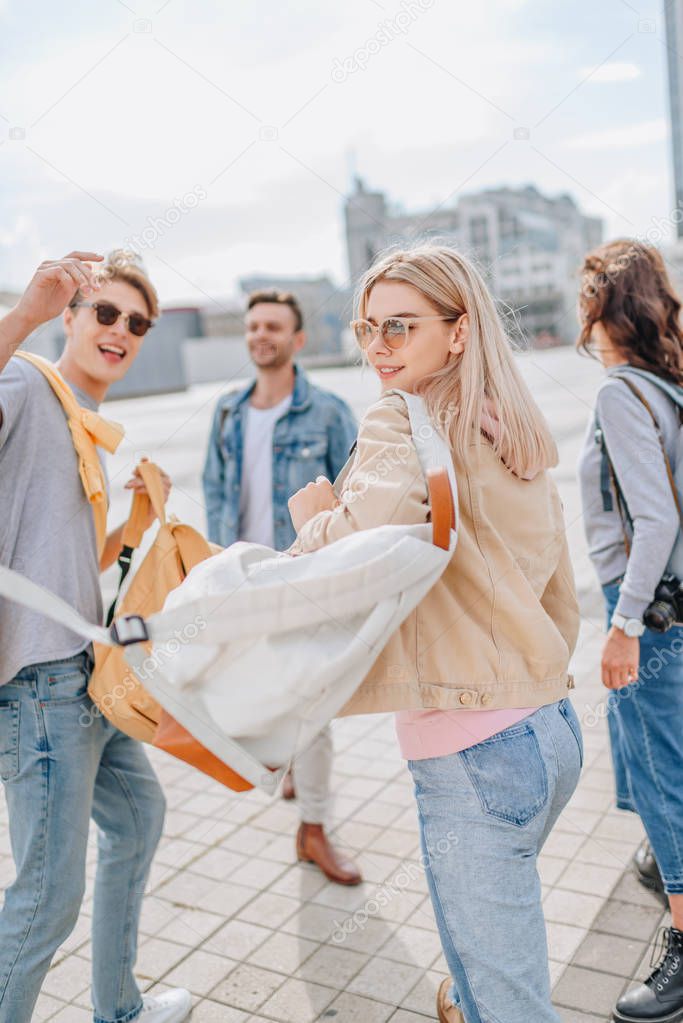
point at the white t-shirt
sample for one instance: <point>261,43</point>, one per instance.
<point>256,499</point>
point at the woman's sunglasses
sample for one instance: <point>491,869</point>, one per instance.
<point>393,331</point>
<point>107,314</point>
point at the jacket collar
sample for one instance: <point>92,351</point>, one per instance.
<point>301,396</point>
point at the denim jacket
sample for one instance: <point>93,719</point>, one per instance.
<point>311,439</point>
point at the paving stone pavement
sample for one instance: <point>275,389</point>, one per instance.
<point>259,938</point>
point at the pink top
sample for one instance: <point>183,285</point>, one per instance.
<point>438,733</point>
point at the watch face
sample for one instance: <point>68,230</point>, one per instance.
<point>634,629</point>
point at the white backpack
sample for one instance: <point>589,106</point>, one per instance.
<point>256,651</point>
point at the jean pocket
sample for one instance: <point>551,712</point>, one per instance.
<point>9,740</point>
<point>569,714</point>
<point>67,686</point>
<point>509,774</point>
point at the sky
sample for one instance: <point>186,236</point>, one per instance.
<point>220,138</point>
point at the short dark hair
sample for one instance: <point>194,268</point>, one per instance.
<point>278,298</point>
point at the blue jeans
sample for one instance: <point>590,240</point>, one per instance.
<point>60,764</point>
<point>484,816</point>
<point>646,736</point>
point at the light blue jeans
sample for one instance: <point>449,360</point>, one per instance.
<point>484,816</point>
<point>60,764</point>
<point>646,738</point>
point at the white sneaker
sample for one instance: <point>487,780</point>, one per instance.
<point>171,1007</point>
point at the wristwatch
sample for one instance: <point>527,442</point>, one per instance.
<point>631,627</point>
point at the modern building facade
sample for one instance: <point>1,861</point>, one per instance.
<point>529,247</point>
<point>673,12</point>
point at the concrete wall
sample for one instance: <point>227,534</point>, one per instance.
<point>207,359</point>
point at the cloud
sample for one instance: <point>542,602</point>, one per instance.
<point>122,115</point>
<point>627,137</point>
<point>613,71</point>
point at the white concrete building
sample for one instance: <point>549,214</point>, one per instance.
<point>529,247</point>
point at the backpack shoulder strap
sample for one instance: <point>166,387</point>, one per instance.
<point>437,464</point>
<point>643,400</point>
<point>672,391</point>
<point>136,524</point>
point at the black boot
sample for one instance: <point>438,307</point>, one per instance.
<point>660,998</point>
<point>648,874</point>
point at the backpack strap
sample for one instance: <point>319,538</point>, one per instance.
<point>607,472</point>
<point>88,429</point>
<point>437,465</point>
<point>673,391</point>
<point>669,471</point>
<point>443,507</point>
<point>136,525</point>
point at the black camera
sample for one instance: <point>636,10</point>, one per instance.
<point>667,607</point>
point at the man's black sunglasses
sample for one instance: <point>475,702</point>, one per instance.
<point>107,314</point>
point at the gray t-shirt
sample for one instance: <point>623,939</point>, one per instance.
<point>639,466</point>
<point>47,530</point>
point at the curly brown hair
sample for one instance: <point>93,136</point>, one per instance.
<point>626,287</point>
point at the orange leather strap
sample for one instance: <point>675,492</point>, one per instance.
<point>442,505</point>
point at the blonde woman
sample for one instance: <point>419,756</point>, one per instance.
<point>478,673</point>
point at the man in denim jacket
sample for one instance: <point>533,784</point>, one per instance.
<point>268,441</point>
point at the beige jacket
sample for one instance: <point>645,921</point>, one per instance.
<point>499,627</point>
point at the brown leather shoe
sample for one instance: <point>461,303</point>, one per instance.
<point>448,1013</point>
<point>313,846</point>
<point>288,790</point>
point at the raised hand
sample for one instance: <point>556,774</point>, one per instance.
<point>53,285</point>
<point>137,483</point>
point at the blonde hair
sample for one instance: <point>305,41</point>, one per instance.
<point>485,377</point>
<point>125,265</point>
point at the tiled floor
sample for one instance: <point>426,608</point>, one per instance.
<point>256,937</point>
<point>617,951</point>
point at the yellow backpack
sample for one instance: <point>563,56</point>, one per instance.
<point>114,687</point>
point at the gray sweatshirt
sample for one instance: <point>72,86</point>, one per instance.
<point>636,456</point>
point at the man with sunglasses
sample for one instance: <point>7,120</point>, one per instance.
<point>268,441</point>
<point>58,772</point>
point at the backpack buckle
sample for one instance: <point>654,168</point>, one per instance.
<point>129,629</point>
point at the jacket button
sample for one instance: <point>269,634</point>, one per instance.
<point>305,452</point>
<point>466,698</point>
<point>486,699</point>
